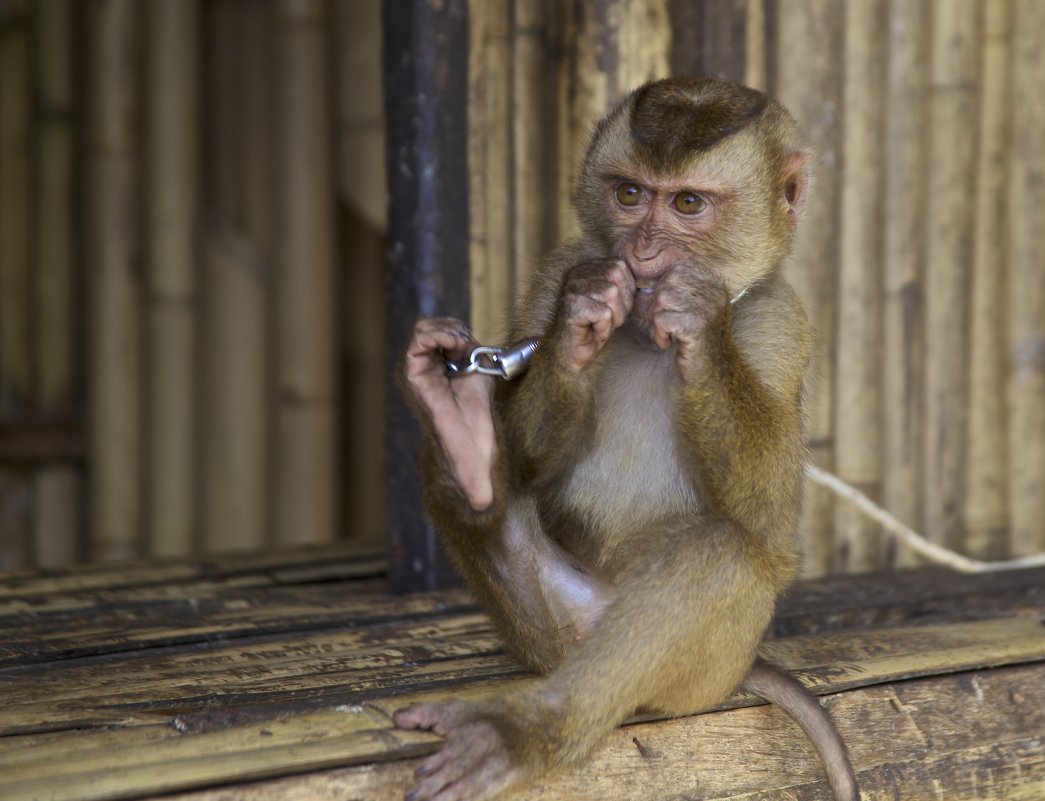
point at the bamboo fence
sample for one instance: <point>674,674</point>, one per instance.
<point>919,260</point>
<point>192,213</point>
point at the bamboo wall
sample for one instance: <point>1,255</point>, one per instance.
<point>922,256</point>
<point>191,198</point>
<point>192,216</point>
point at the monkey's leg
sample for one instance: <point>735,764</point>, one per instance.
<point>679,634</point>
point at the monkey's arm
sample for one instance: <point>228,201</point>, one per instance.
<point>740,410</point>
<point>575,305</point>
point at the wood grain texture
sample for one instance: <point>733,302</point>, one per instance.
<point>275,675</point>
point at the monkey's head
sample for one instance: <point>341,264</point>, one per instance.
<point>695,171</point>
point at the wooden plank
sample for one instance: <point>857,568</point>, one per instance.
<point>299,564</point>
<point>281,679</point>
<point>388,676</point>
<point>129,627</point>
<point>937,733</point>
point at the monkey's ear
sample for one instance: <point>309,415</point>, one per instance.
<point>797,169</point>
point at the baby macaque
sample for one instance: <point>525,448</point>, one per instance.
<point>626,510</point>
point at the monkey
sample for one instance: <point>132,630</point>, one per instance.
<point>627,509</point>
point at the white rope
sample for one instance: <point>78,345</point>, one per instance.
<point>911,538</point>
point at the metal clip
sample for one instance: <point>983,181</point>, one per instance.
<point>506,362</point>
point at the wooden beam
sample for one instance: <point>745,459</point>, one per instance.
<point>41,439</point>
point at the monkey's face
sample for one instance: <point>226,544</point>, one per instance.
<point>714,216</point>
<point>694,172</point>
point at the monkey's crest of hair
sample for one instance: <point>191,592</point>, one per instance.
<point>674,118</point>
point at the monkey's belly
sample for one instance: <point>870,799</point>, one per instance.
<point>632,474</point>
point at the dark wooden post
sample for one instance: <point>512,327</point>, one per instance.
<point>425,63</point>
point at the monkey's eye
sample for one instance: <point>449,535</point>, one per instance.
<point>690,203</point>
<point>629,195</point>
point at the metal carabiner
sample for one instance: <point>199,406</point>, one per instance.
<point>506,362</point>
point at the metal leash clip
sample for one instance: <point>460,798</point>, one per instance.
<point>506,362</point>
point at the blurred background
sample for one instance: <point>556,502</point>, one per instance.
<point>202,266</point>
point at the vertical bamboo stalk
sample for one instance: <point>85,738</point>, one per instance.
<point>642,32</point>
<point>582,96</point>
<point>363,210</point>
<point>114,330</point>
<point>811,87</point>
<point>986,495</point>
<point>16,390</point>
<point>954,72</point>
<point>859,408</point>
<point>755,60</point>
<point>609,48</point>
<point>170,257</point>
<point>233,410</point>
<point>1026,297</point>
<point>903,265</point>
<point>531,140</point>
<point>303,496</point>
<point>253,24</point>
<point>57,487</point>
<point>490,187</point>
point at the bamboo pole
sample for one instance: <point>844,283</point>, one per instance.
<point>858,410</point>
<point>903,265</point>
<point>1026,296</point>
<point>609,49</point>
<point>303,486</point>
<point>255,186</point>
<point>642,31</point>
<point>954,72</point>
<point>582,96</point>
<point>16,391</point>
<point>362,181</point>
<point>232,415</point>
<point>986,495</point>
<point>755,46</point>
<point>114,329</point>
<point>531,141</point>
<point>490,187</point>
<point>170,239</point>
<point>57,487</point>
<point>811,86</point>
<point>361,221</point>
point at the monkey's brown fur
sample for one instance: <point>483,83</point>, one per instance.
<point>627,509</point>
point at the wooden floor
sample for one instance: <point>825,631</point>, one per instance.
<point>273,677</point>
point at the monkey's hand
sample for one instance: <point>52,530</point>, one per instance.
<point>690,307</point>
<point>596,300</point>
<point>458,410</point>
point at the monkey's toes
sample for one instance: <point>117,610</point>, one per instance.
<point>421,716</point>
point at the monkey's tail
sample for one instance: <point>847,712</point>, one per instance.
<point>781,688</point>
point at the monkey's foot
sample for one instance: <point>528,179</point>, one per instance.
<point>473,764</point>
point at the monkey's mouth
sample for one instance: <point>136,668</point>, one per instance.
<point>644,284</point>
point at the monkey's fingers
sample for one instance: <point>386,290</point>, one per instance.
<point>434,341</point>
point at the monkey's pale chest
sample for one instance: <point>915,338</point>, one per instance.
<point>632,473</point>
